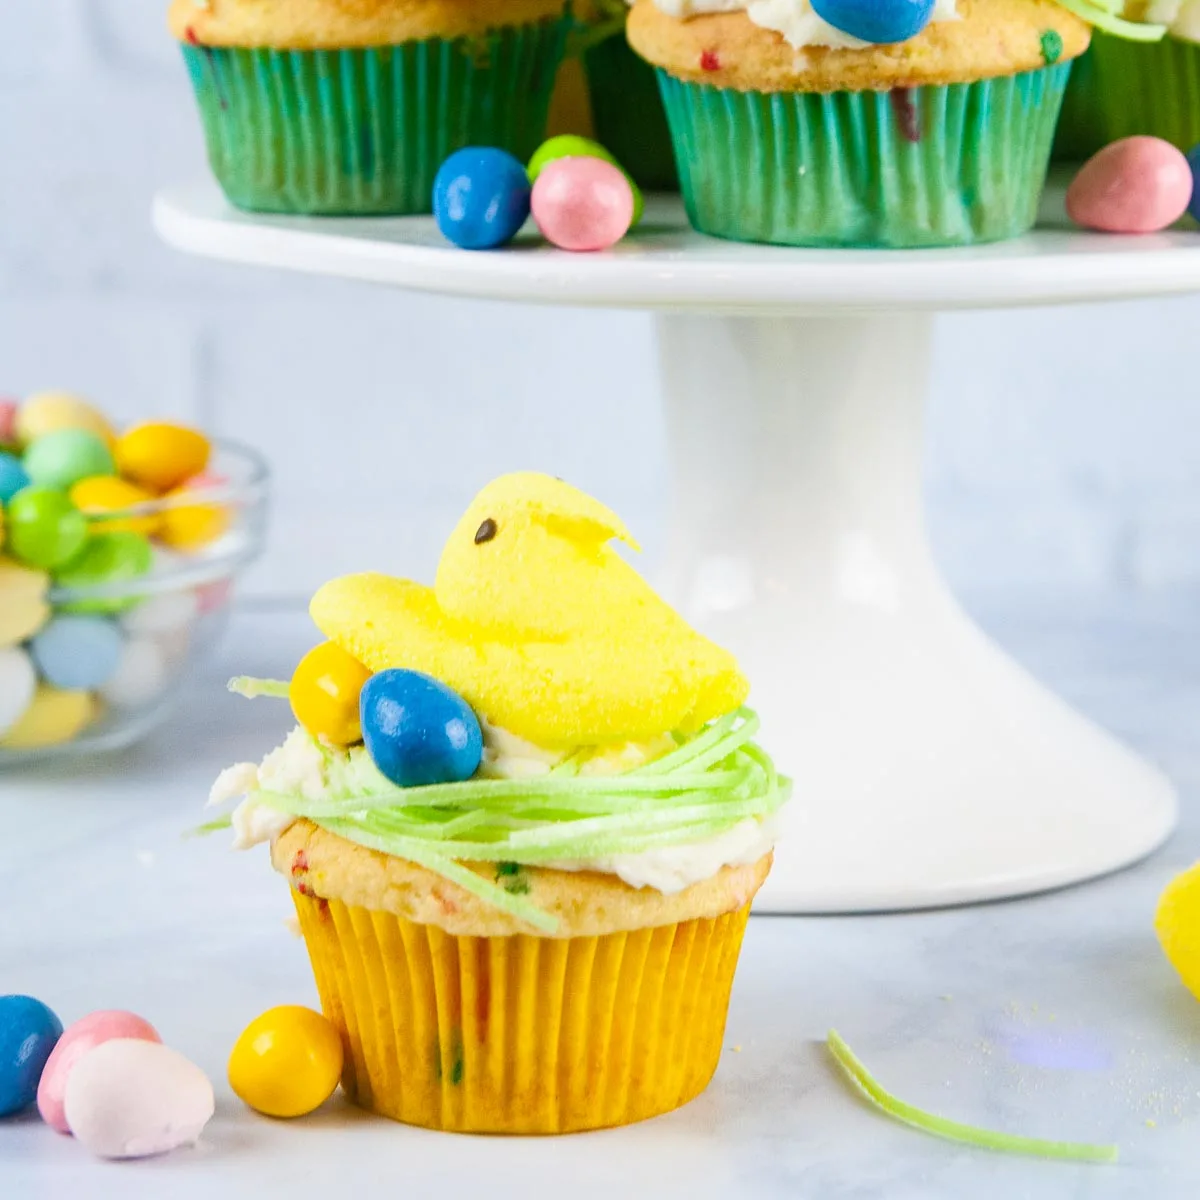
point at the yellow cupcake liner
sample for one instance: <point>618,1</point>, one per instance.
<point>522,1034</point>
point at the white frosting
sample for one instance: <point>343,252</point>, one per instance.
<point>795,19</point>
<point>298,768</point>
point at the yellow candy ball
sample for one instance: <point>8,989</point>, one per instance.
<point>287,1062</point>
<point>193,526</point>
<point>1177,923</point>
<point>106,494</point>
<point>50,412</point>
<point>324,694</point>
<point>160,455</point>
<point>54,717</point>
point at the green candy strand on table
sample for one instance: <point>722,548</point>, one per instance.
<point>61,459</point>
<point>108,558</point>
<point>44,528</point>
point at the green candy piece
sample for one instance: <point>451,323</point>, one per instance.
<point>108,558</point>
<point>571,145</point>
<point>60,460</point>
<point>44,528</point>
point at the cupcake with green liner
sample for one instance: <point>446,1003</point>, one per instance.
<point>1148,84</point>
<point>350,106</point>
<point>887,132</point>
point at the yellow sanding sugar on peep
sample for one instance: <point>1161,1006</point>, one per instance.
<point>539,625</point>
<point>1177,923</point>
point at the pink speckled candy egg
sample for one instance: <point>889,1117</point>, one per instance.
<point>1136,185</point>
<point>86,1034</point>
<point>582,203</point>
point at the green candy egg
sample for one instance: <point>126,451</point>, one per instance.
<point>60,460</point>
<point>571,145</point>
<point>108,558</point>
<point>44,528</point>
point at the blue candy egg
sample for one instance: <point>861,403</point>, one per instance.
<point>28,1032</point>
<point>418,731</point>
<point>480,198</point>
<point>882,22</point>
<point>1193,158</point>
<point>12,477</point>
<point>77,653</point>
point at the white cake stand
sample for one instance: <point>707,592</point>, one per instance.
<point>930,769</point>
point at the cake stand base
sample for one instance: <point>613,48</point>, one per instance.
<point>929,768</point>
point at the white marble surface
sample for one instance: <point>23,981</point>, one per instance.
<point>1054,1016</point>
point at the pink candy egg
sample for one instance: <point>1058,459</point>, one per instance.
<point>1136,185</point>
<point>582,203</point>
<point>8,422</point>
<point>86,1034</point>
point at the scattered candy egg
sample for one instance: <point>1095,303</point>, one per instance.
<point>44,528</point>
<point>582,204</point>
<point>160,455</point>
<point>60,460</point>
<point>130,1098</point>
<point>882,22</point>
<point>193,526</point>
<point>107,559</point>
<point>571,145</point>
<point>77,653</point>
<point>140,677</point>
<point>13,477</point>
<point>8,422</point>
<point>480,198</point>
<point>54,717</point>
<point>18,683</point>
<point>104,494</point>
<point>325,691</point>
<point>48,412</point>
<point>23,606</point>
<point>1135,185</point>
<point>418,731</point>
<point>287,1062</point>
<point>28,1033</point>
<point>84,1035</point>
<point>1193,158</point>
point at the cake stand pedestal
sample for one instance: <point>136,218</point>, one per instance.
<point>930,768</point>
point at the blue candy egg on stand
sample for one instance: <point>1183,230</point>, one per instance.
<point>480,198</point>
<point>77,653</point>
<point>418,731</point>
<point>882,22</point>
<point>28,1032</point>
<point>13,476</point>
<point>1193,157</point>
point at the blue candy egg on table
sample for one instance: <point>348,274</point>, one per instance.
<point>480,198</point>
<point>418,731</point>
<point>13,476</point>
<point>28,1032</point>
<point>77,653</point>
<point>882,22</point>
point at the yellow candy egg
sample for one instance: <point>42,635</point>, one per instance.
<point>160,455</point>
<point>287,1062</point>
<point>51,412</point>
<point>324,694</point>
<point>106,494</point>
<point>54,717</point>
<point>191,527</point>
<point>23,606</point>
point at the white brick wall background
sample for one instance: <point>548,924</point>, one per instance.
<point>1064,445</point>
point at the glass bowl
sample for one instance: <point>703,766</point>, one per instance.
<point>155,627</point>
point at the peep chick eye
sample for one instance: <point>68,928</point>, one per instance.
<point>485,532</point>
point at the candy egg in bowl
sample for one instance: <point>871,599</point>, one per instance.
<point>110,595</point>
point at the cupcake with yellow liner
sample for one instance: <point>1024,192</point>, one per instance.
<point>539,933</point>
<point>791,130</point>
<point>350,106</point>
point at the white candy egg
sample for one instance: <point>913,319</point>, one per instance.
<point>18,682</point>
<point>133,1099</point>
<point>162,614</point>
<point>140,677</point>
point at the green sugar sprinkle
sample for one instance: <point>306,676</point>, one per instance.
<point>1052,47</point>
<point>953,1131</point>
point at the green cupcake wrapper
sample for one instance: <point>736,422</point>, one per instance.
<point>365,131</point>
<point>930,166</point>
<point>628,115</point>
<point>1120,89</point>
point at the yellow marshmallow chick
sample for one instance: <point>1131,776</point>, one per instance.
<point>539,625</point>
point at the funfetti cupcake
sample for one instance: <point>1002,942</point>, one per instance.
<point>523,819</point>
<point>895,123</point>
<point>350,106</point>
